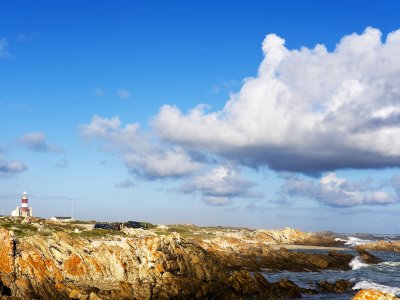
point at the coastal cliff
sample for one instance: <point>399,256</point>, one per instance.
<point>65,266</point>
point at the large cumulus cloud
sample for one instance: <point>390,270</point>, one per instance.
<point>308,110</point>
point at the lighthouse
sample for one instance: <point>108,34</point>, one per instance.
<point>24,210</point>
<point>24,205</point>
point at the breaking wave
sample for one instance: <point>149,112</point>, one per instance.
<point>353,241</point>
<point>364,284</point>
<point>357,263</point>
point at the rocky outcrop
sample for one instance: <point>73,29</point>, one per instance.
<point>391,246</point>
<point>61,266</point>
<point>220,235</point>
<point>257,257</point>
<point>297,237</point>
<point>374,295</point>
<point>7,252</point>
<point>369,258</point>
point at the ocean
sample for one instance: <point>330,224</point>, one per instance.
<point>384,276</point>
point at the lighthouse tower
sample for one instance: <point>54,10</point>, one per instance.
<point>24,205</point>
<point>23,211</point>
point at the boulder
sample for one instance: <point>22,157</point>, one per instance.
<point>374,295</point>
<point>339,286</point>
<point>369,258</point>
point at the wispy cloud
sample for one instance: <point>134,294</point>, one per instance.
<point>225,86</point>
<point>123,93</point>
<point>4,49</point>
<point>62,163</point>
<point>149,159</point>
<point>99,92</point>
<point>27,37</point>
<point>125,184</point>
<point>8,169</point>
<point>36,141</point>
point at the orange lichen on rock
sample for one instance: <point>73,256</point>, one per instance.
<point>74,266</point>
<point>93,262</point>
<point>22,283</point>
<point>6,251</point>
<point>374,295</point>
<point>32,264</point>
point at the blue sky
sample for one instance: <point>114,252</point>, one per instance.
<point>99,107</point>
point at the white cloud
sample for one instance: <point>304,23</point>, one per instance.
<point>220,185</point>
<point>217,200</point>
<point>123,93</point>
<point>140,155</point>
<point>334,191</point>
<point>8,169</point>
<point>4,49</point>
<point>36,141</point>
<point>308,110</point>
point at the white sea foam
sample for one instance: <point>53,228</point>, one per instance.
<point>353,241</point>
<point>357,263</point>
<point>341,240</point>
<point>362,285</point>
<point>390,263</point>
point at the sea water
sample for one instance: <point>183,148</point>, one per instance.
<point>384,276</point>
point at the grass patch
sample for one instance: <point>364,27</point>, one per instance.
<point>20,230</point>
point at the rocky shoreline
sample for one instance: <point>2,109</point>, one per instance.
<point>65,266</point>
<point>390,246</point>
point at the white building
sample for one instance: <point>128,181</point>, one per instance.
<point>62,219</point>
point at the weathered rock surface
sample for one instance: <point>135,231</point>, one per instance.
<point>391,246</point>
<point>256,257</point>
<point>297,237</point>
<point>62,266</point>
<point>374,295</point>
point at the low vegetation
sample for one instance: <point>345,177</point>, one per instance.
<point>23,227</point>
<point>19,229</point>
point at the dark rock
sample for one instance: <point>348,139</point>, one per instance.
<point>369,258</point>
<point>318,261</point>
<point>339,286</point>
<point>287,289</point>
<point>243,283</point>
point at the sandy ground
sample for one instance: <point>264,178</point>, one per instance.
<point>305,247</point>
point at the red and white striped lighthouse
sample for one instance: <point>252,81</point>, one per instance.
<point>24,205</point>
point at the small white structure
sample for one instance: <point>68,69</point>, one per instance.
<point>24,210</point>
<point>62,219</point>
